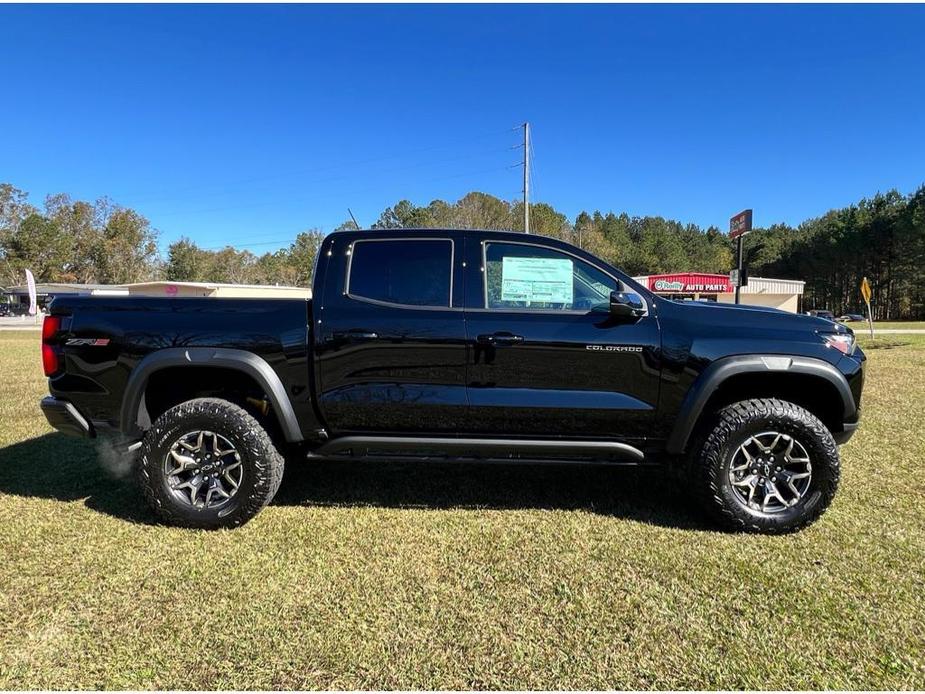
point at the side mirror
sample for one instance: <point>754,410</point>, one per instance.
<point>626,305</point>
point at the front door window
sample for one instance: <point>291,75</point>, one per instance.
<point>531,278</point>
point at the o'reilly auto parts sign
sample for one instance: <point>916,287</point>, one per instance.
<point>690,283</point>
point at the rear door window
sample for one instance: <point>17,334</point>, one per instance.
<point>409,272</point>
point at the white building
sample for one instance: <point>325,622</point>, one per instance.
<point>698,286</point>
<point>217,290</point>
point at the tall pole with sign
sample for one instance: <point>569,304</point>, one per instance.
<point>739,226</point>
<point>866,293</point>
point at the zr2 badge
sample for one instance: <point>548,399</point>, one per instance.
<point>87,342</point>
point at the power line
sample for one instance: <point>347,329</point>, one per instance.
<point>410,167</point>
<point>280,242</point>
<point>526,163</point>
<point>161,194</point>
<point>247,242</point>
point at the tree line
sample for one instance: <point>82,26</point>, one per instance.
<point>73,240</point>
<point>100,242</point>
<point>882,238</point>
<point>292,266</point>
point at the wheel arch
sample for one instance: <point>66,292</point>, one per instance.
<point>249,365</point>
<point>811,383</point>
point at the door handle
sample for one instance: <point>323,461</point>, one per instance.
<point>500,339</point>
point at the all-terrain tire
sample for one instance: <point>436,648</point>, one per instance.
<point>261,462</point>
<point>731,427</point>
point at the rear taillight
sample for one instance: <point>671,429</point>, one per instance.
<point>51,362</point>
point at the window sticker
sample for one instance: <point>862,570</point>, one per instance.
<point>537,280</point>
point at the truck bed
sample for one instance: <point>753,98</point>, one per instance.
<point>105,338</point>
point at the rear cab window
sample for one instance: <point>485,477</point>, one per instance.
<point>415,272</point>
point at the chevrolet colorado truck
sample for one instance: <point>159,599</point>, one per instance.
<point>457,345</point>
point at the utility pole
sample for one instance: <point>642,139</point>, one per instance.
<point>739,241</point>
<point>526,178</point>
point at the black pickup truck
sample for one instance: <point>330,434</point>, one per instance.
<point>458,345</point>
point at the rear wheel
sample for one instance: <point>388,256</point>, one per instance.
<point>207,463</point>
<point>766,466</point>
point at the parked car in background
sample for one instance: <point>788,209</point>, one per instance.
<point>851,318</point>
<point>821,313</point>
<point>13,310</point>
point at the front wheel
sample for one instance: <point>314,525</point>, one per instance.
<point>207,463</point>
<point>766,466</point>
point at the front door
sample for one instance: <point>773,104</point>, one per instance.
<point>546,358</point>
<point>391,338</point>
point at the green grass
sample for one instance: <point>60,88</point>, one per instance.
<point>913,341</point>
<point>889,325</point>
<point>417,576</point>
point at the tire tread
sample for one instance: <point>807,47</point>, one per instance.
<point>264,461</point>
<point>708,463</point>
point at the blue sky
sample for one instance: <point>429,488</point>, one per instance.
<point>246,124</point>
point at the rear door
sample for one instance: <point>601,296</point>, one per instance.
<point>546,357</point>
<point>390,340</point>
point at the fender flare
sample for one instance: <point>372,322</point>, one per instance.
<point>722,369</point>
<point>247,362</point>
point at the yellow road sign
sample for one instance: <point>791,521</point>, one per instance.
<point>865,290</point>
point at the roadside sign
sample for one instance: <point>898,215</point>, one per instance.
<point>866,294</point>
<point>734,277</point>
<point>740,224</point>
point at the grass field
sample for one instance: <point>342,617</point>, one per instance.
<point>889,325</point>
<point>414,576</point>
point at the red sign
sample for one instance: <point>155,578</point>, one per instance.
<point>740,224</point>
<point>690,283</point>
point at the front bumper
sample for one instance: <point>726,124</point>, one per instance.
<point>64,417</point>
<point>848,429</point>
<point>853,368</point>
